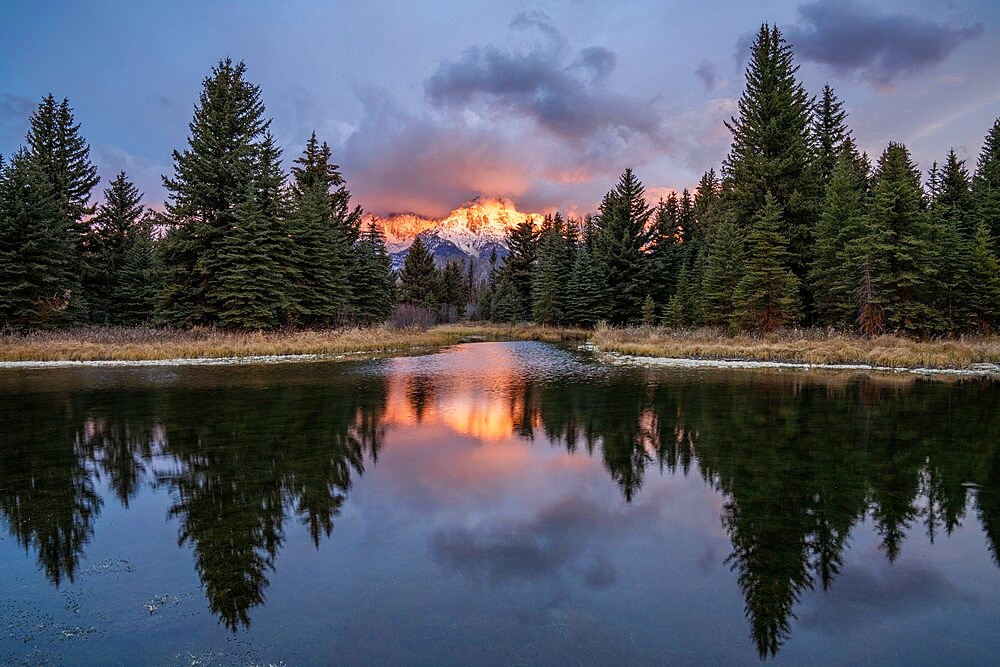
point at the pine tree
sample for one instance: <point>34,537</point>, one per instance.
<point>507,305</point>
<point>722,274</point>
<point>984,281</point>
<point>547,291</point>
<point>951,216</point>
<point>117,221</point>
<point>322,261</point>
<point>586,304</point>
<point>139,282</point>
<point>829,134</point>
<point>314,167</point>
<point>418,279</point>
<point>772,148</point>
<point>767,296</point>
<point>667,253</point>
<point>211,178</point>
<point>648,311</point>
<point>39,278</point>
<point>251,290</point>
<point>834,271</point>
<point>373,284</point>
<point>451,297</point>
<point>986,182</point>
<point>620,240</point>
<point>62,155</point>
<point>519,264</point>
<point>680,309</point>
<point>898,246</point>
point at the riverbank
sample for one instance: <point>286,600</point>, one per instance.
<point>810,347</point>
<point>133,344</point>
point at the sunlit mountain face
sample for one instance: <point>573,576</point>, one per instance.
<point>473,231</point>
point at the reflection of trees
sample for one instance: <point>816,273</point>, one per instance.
<point>798,468</point>
<point>242,460</point>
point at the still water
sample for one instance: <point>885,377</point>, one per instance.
<point>500,503</point>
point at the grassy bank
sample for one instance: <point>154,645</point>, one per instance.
<point>134,344</point>
<point>806,346</point>
<point>809,346</point>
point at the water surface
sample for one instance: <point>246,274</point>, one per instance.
<point>496,503</point>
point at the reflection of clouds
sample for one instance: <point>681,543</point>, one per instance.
<point>883,592</point>
<point>561,538</point>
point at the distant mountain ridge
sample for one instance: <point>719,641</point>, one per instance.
<point>471,231</point>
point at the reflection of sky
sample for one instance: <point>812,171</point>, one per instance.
<point>466,542</point>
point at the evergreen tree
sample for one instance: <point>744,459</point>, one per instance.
<point>772,148</point>
<point>829,134</point>
<point>620,241</point>
<point>315,167</point>
<point>322,261</point>
<point>418,279</point>
<point>586,304</point>
<point>211,179</point>
<point>986,182</point>
<point>251,290</point>
<point>723,272</point>
<point>667,253</point>
<point>898,247</point>
<point>452,297</point>
<point>62,156</point>
<point>648,311</point>
<point>678,313</point>
<point>951,216</point>
<point>507,305</point>
<point>373,284</point>
<point>519,265</point>
<point>834,270</point>
<point>112,230</point>
<point>139,282</point>
<point>767,295</point>
<point>39,278</point>
<point>984,281</point>
<point>547,292</point>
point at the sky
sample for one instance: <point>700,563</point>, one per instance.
<point>427,105</point>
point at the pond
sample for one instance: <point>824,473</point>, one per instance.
<point>496,503</point>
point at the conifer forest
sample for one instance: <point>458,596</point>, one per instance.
<point>797,227</point>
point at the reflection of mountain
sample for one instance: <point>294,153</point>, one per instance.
<point>798,461</point>
<point>473,231</point>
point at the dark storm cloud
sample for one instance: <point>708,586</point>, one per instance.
<point>706,72</point>
<point>566,97</point>
<point>879,47</point>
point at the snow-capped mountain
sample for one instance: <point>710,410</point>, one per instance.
<point>472,231</point>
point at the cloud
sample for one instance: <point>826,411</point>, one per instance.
<point>567,98</point>
<point>706,72</point>
<point>879,47</point>
<point>14,113</point>
<point>536,122</point>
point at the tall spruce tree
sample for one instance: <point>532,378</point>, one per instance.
<point>117,223</point>
<point>139,282</point>
<point>586,302</point>
<point>39,267</point>
<point>519,264</point>
<point>984,281</point>
<point>211,179</point>
<point>451,295</point>
<point>766,297</point>
<point>315,166</point>
<point>620,241</point>
<point>898,247</point>
<point>666,255</point>
<point>772,148</point>
<point>373,283</point>
<point>951,217</point>
<point>419,283</point>
<point>986,182</point>
<point>723,272</point>
<point>829,134</point>
<point>63,157</point>
<point>548,302</point>
<point>834,271</point>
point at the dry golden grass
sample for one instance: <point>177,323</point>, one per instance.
<point>807,346</point>
<point>810,346</point>
<point>133,344</point>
